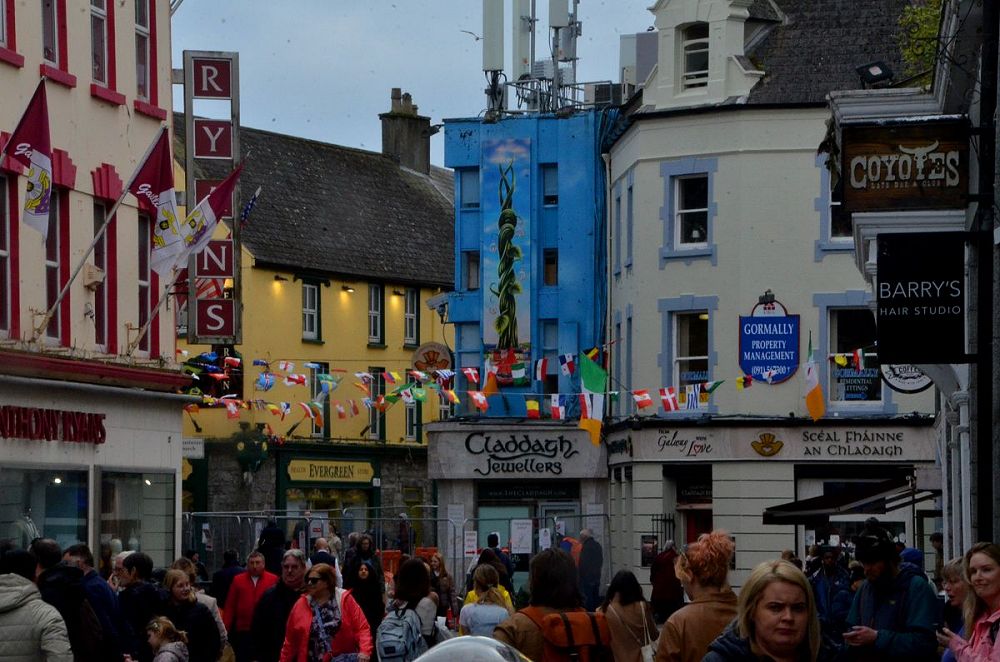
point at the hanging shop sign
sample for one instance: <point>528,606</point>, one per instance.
<point>905,378</point>
<point>906,166</point>
<point>37,424</point>
<point>769,342</point>
<point>921,297</point>
<point>330,471</point>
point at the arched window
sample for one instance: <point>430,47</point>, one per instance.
<point>694,56</point>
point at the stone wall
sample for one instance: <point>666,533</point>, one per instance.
<point>227,490</point>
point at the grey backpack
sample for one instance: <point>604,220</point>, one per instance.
<point>398,637</point>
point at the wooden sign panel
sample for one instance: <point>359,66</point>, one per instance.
<point>905,166</point>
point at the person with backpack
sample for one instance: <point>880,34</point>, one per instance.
<point>326,622</point>
<point>408,628</point>
<point>894,612</point>
<point>630,618</point>
<point>555,627</point>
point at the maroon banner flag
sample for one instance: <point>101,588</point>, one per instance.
<point>153,187</point>
<point>30,146</point>
<point>201,223</point>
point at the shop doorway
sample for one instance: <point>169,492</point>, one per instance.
<point>696,522</point>
<point>565,515</point>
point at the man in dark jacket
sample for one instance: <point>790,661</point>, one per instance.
<point>140,601</point>
<point>591,565</point>
<point>668,594</point>
<point>222,578</point>
<point>831,585</point>
<point>271,613</point>
<point>493,542</point>
<point>272,545</point>
<point>61,586</point>
<point>103,600</point>
<point>893,613</point>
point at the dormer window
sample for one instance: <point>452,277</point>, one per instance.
<point>694,44</point>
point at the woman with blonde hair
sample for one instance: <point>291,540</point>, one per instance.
<point>192,617</point>
<point>776,621</point>
<point>982,607</point>
<point>703,569</point>
<point>187,565</point>
<point>168,644</point>
<point>490,609</point>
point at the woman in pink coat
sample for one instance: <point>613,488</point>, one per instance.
<point>982,607</point>
<point>325,622</point>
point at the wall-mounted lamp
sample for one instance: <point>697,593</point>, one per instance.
<point>347,288</point>
<point>280,278</point>
<point>766,297</point>
<point>703,317</point>
<point>398,292</point>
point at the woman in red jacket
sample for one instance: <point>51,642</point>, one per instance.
<point>325,622</point>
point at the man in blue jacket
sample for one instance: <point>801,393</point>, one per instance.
<point>895,610</point>
<point>102,598</point>
<point>831,585</point>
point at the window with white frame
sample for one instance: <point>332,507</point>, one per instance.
<point>50,32</point>
<point>101,292</point>
<point>99,41</point>
<point>53,267</point>
<point>142,58</point>
<point>412,421</point>
<point>376,299</point>
<point>5,275</point>
<point>144,277</point>
<point>691,210</point>
<point>445,408</point>
<point>853,330</point>
<point>468,184</point>
<point>310,311</point>
<point>321,396</point>
<point>841,226</point>
<point>550,184</point>
<point>411,317</point>
<point>694,44</point>
<point>690,350</point>
<point>376,418</point>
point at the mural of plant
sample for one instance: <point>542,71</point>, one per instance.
<point>507,285</point>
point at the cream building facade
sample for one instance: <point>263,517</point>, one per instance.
<point>91,439</point>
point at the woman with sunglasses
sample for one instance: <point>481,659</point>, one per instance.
<point>326,622</point>
<point>703,569</point>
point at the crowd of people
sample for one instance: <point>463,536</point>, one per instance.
<point>333,607</point>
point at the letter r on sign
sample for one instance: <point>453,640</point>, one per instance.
<point>212,78</point>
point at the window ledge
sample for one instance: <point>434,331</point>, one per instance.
<point>377,345</point>
<point>57,75</point>
<point>314,341</point>
<point>687,255</point>
<point>826,246</point>
<point>12,58</point>
<point>411,345</point>
<point>107,94</point>
<point>149,110</point>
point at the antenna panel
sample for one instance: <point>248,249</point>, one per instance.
<point>493,35</point>
<point>558,13</point>
<point>521,28</point>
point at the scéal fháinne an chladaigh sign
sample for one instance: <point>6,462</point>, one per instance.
<point>921,297</point>
<point>769,342</point>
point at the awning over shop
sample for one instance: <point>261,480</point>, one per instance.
<point>866,498</point>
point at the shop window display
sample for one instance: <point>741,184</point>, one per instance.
<point>137,513</point>
<point>43,504</point>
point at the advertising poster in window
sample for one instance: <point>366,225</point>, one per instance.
<point>853,385</point>
<point>506,208</point>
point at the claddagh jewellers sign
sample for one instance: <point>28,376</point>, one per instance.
<point>910,166</point>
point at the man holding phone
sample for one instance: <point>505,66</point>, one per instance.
<point>894,611</point>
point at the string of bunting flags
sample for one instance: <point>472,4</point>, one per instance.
<point>411,386</point>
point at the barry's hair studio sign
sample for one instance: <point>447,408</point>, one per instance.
<point>921,297</point>
<point>921,165</point>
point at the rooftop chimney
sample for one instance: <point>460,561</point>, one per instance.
<point>406,136</point>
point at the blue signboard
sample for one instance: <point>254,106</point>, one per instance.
<point>769,344</point>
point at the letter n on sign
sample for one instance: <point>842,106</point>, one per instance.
<point>215,260</point>
<point>212,78</point>
<point>215,318</point>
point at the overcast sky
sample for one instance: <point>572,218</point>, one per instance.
<point>323,69</point>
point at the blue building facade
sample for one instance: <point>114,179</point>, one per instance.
<point>529,284</point>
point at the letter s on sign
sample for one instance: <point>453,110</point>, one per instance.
<point>217,323</point>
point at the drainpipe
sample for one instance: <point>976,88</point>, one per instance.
<point>960,401</point>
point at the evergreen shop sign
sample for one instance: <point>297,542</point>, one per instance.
<point>921,294</point>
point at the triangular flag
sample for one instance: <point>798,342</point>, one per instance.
<point>669,399</point>
<point>642,399</point>
<point>841,360</point>
<point>407,396</point>
<point>744,382</point>
<point>30,146</point>
<point>472,374</point>
<point>491,388</point>
<point>769,376</point>
<point>859,359</point>
<point>341,412</point>
<point>541,369</point>
<point>708,387</point>
<point>451,395</point>
<point>532,407</point>
<point>354,407</point>
<point>815,402</point>
<point>419,394</point>
<point>479,400</point>
<point>286,366</point>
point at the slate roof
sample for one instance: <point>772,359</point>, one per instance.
<point>819,44</point>
<point>763,10</point>
<point>340,211</point>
